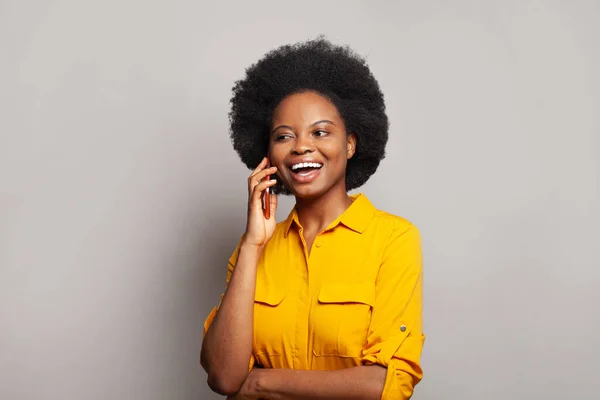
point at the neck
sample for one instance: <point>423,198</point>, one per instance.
<point>317,213</point>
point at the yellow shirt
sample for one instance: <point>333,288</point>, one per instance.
<point>355,300</point>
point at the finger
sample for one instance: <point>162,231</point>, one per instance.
<point>274,201</point>
<point>259,167</point>
<point>259,176</point>
<point>259,188</point>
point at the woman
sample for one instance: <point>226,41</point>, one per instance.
<point>326,304</point>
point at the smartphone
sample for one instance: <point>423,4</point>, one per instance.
<point>266,200</point>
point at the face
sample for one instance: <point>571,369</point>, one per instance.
<point>309,145</point>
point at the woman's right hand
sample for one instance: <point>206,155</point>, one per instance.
<point>258,228</point>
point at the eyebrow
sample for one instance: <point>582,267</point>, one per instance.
<point>322,121</point>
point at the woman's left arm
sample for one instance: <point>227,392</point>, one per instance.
<point>391,359</point>
<point>396,338</point>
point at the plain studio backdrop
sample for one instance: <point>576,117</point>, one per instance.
<point>121,197</point>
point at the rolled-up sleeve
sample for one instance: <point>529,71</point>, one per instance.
<point>211,316</point>
<point>395,339</point>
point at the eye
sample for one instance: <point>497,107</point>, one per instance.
<point>282,136</point>
<point>321,133</point>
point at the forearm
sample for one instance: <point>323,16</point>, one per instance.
<point>358,383</point>
<point>227,345</point>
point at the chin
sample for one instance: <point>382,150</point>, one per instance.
<point>308,192</point>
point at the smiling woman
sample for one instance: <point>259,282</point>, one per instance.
<point>326,304</point>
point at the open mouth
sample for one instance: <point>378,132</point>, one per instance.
<point>305,169</point>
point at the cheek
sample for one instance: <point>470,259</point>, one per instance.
<point>276,156</point>
<point>337,153</point>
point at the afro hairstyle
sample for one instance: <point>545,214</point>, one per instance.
<point>335,72</point>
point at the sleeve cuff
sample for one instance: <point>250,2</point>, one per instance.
<point>400,357</point>
<point>398,384</point>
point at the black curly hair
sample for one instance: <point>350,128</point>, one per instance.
<point>335,72</point>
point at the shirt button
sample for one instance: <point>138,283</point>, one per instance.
<point>403,328</point>
<point>318,244</point>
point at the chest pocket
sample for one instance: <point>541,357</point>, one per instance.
<point>269,319</point>
<point>341,319</point>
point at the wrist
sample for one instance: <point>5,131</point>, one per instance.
<point>251,247</point>
<point>262,382</point>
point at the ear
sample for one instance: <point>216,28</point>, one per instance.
<point>351,145</point>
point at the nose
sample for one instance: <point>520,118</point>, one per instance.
<point>303,144</point>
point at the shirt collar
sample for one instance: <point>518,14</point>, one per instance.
<point>356,217</point>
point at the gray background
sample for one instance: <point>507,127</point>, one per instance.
<point>121,197</point>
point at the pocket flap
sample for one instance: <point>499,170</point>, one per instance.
<point>271,295</point>
<point>359,292</point>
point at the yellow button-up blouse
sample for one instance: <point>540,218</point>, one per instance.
<point>355,300</point>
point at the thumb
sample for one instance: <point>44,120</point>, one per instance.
<point>274,201</point>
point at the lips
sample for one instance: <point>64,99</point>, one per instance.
<point>305,171</point>
<point>306,175</point>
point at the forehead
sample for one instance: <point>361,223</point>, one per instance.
<point>306,107</point>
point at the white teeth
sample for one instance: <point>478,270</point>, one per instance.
<point>306,165</point>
